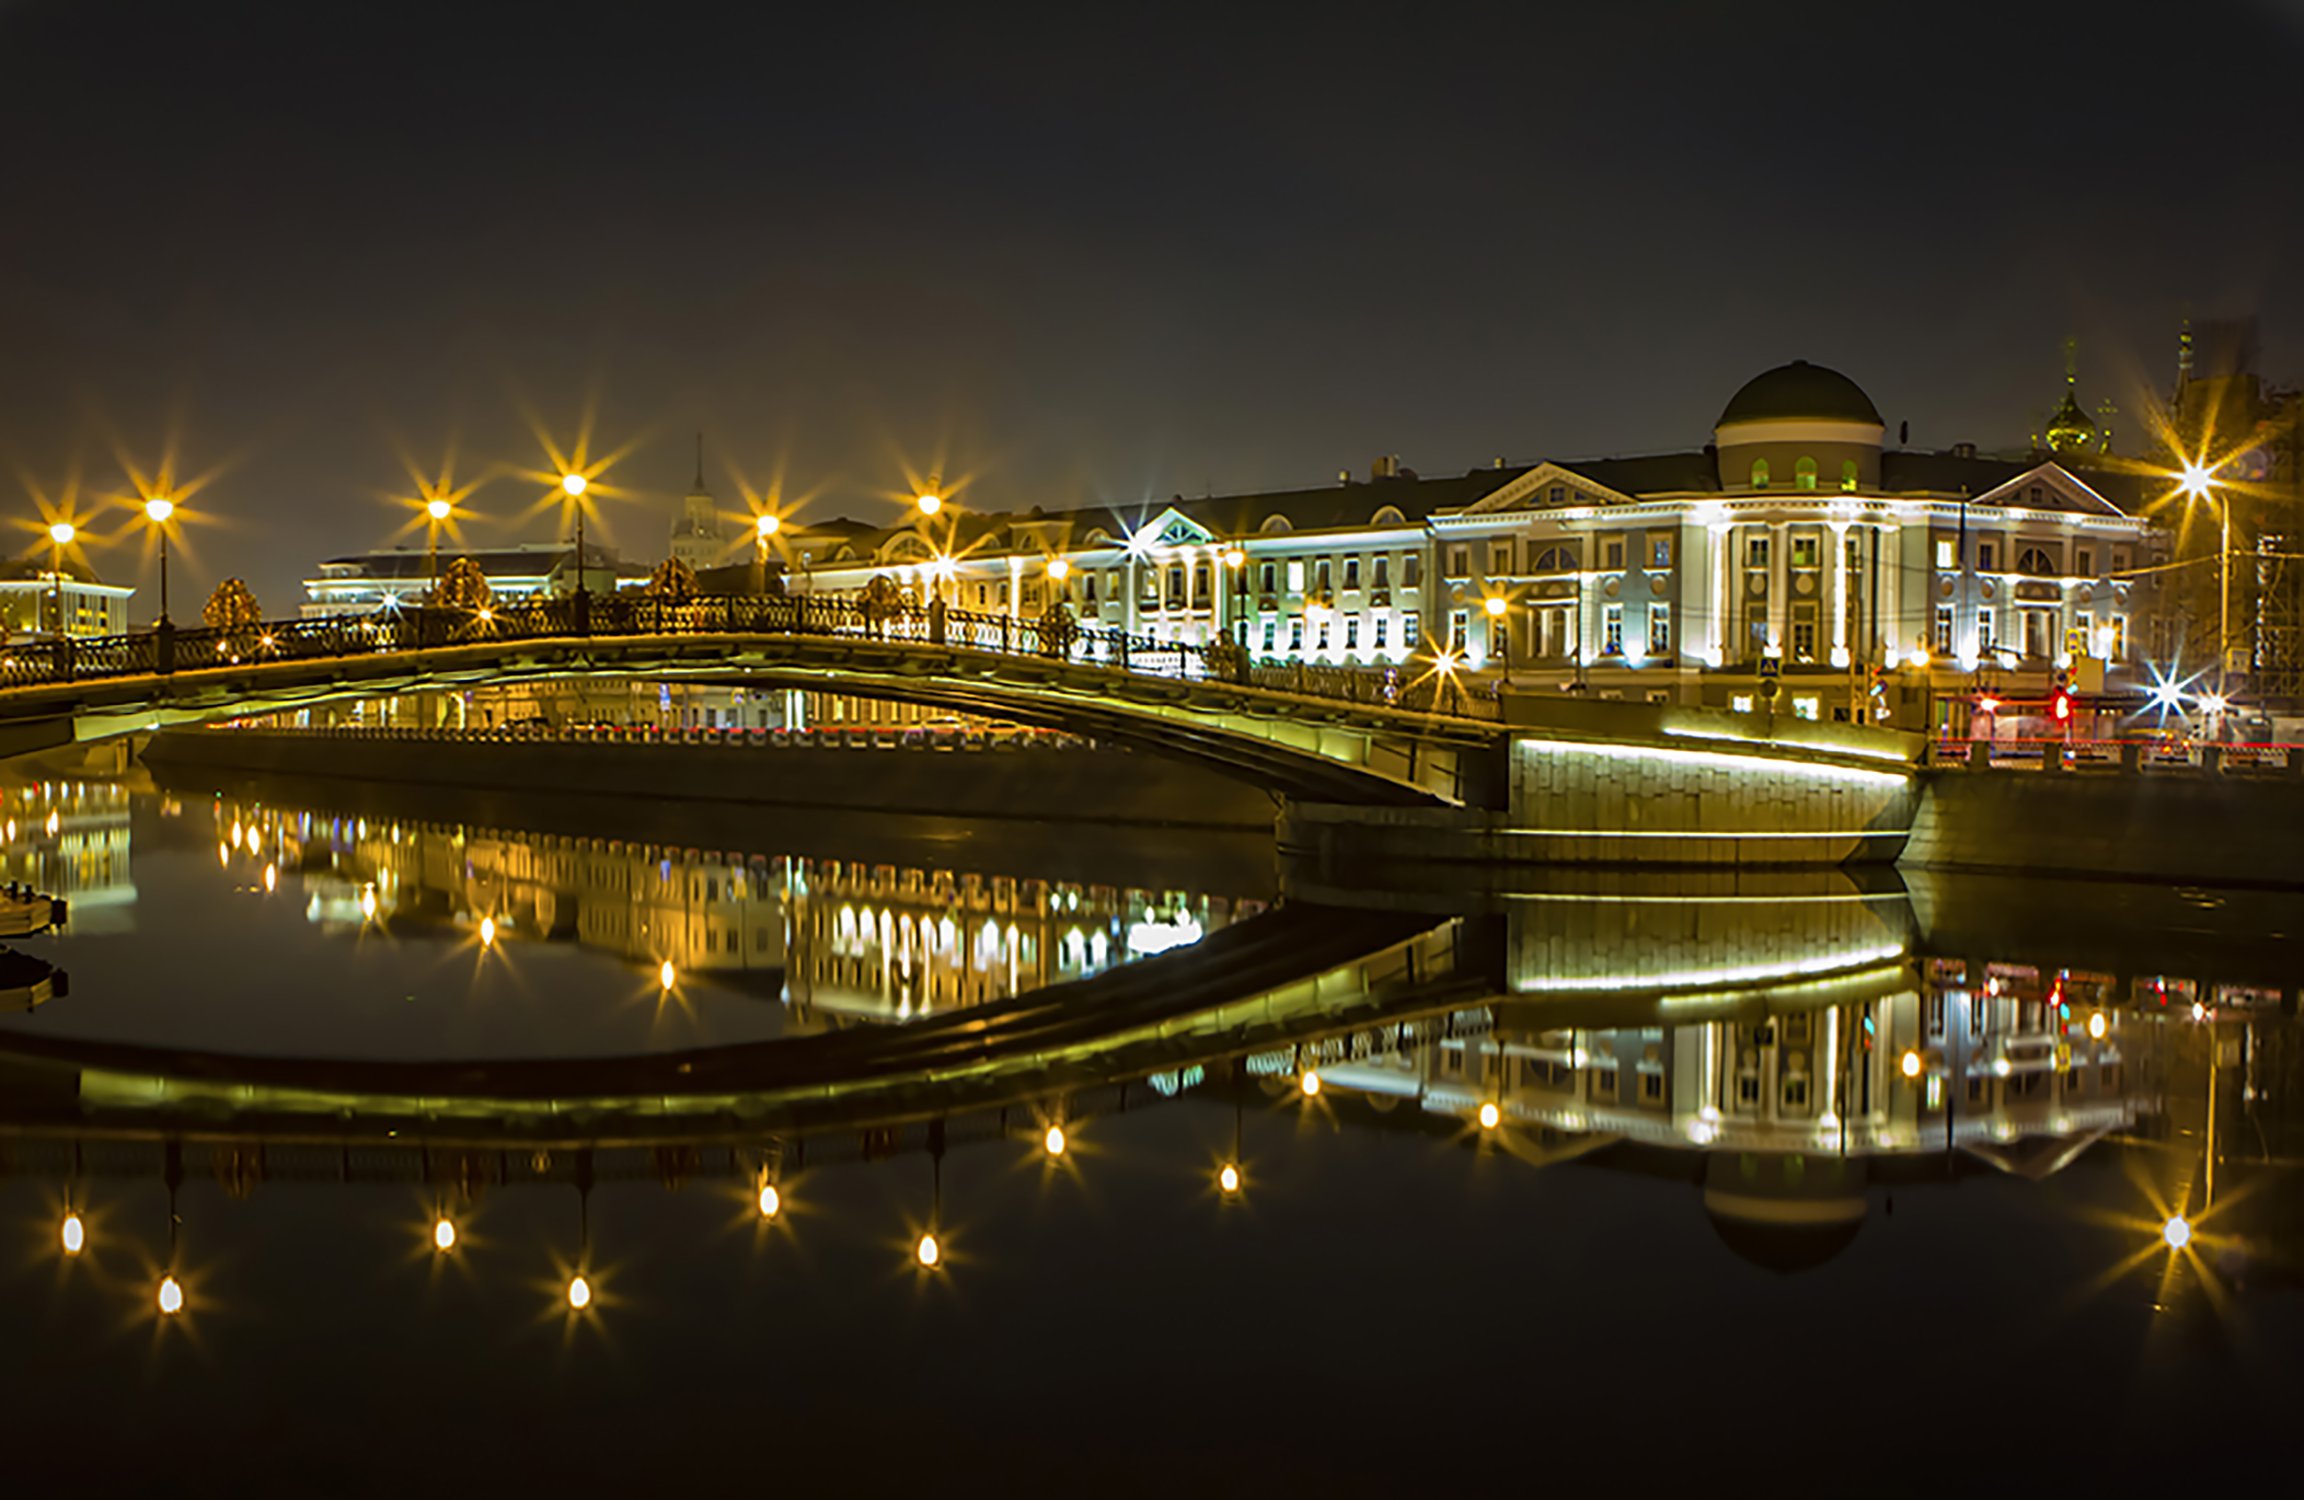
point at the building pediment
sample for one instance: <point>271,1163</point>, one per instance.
<point>2051,486</point>
<point>1173,528</point>
<point>1546,486</point>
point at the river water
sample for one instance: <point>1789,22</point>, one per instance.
<point>1800,1181</point>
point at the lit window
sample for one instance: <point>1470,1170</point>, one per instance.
<point>1612,630</point>
<point>1296,575</point>
<point>1351,632</point>
<point>1659,630</point>
<point>1944,557</point>
<point>1759,473</point>
<point>1804,474</point>
<point>1323,632</point>
<point>1295,635</point>
<point>1458,635</point>
<point>1805,707</point>
<point>1271,635</point>
<point>1660,551</point>
<point>1740,703</point>
<point>1411,627</point>
<point>1848,474</point>
<point>1756,552</point>
<point>1943,634</point>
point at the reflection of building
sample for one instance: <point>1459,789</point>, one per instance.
<point>28,595</point>
<point>839,939</point>
<point>69,839</point>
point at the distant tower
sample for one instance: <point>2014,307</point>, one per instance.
<point>2071,431</point>
<point>696,536</point>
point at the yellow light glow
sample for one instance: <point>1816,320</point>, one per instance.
<point>368,903</point>
<point>766,526</point>
<point>770,1200</point>
<point>579,1293</point>
<point>1490,1116</point>
<point>1228,1179</point>
<point>1310,1084</point>
<point>2177,1232</point>
<point>159,508</point>
<point>2097,1026</point>
<point>666,975</point>
<point>171,1296</point>
<point>2196,480</point>
<point>1495,606</point>
<point>1059,569</point>
<point>54,822</point>
<point>487,932</point>
<point>237,833</point>
<point>223,855</point>
<point>444,1234</point>
<point>75,1235</point>
<point>1054,1140</point>
<point>573,485</point>
<point>1911,1064</point>
<point>438,508</point>
<point>928,1251</point>
<point>1234,557</point>
<point>930,503</point>
<point>62,533</point>
<point>271,878</point>
<point>2199,1011</point>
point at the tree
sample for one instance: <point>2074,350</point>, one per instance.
<point>673,581</point>
<point>1057,630</point>
<point>232,607</point>
<point>463,586</point>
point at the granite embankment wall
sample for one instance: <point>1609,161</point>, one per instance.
<point>1034,781</point>
<point>2186,827</point>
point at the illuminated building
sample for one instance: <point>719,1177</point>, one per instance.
<point>28,590</point>
<point>391,578</point>
<point>1799,538</point>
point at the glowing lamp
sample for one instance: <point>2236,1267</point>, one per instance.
<point>1495,606</point>
<point>487,932</point>
<point>930,504</point>
<point>438,508</point>
<point>1310,1084</point>
<point>770,1200</point>
<point>1059,569</point>
<point>1054,1140</point>
<point>1228,1179</point>
<point>1911,1064</point>
<point>271,878</point>
<point>75,1235</point>
<point>2096,1026</point>
<point>666,974</point>
<point>579,1293</point>
<point>573,485</point>
<point>444,1234</point>
<point>171,1296</point>
<point>2196,480</point>
<point>2199,1011</point>
<point>2177,1232</point>
<point>62,533</point>
<point>928,1251</point>
<point>159,508</point>
<point>766,526</point>
<point>368,903</point>
<point>1490,1115</point>
<point>1234,557</point>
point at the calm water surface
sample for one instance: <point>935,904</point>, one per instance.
<point>1799,1184</point>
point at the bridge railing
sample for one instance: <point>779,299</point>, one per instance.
<point>2097,757</point>
<point>1056,639</point>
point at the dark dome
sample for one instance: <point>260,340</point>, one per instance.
<point>1797,392</point>
<point>1786,1249</point>
<point>1785,1213</point>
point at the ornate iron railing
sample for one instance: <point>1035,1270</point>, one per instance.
<point>168,650</point>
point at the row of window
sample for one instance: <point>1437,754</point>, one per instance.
<point>1804,474</point>
<point>1324,639</point>
<point>2105,636</point>
<point>2032,561</point>
<point>1655,548</point>
<point>1552,631</point>
<point>1322,573</point>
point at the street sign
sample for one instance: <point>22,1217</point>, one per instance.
<point>1770,668</point>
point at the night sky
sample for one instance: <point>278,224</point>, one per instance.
<point>1085,257</point>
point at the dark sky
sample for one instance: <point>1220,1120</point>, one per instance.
<point>1087,257</point>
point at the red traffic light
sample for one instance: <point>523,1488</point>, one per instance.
<point>2063,707</point>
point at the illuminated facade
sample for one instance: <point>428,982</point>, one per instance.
<point>1798,539</point>
<point>28,601</point>
<point>390,578</point>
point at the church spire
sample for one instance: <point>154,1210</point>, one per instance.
<point>699,462</point>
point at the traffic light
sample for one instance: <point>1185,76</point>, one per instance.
<point>1879,693</point>
<point>2061,704</point>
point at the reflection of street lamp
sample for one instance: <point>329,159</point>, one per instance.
<point>157,510</point>
<point>61,533</point>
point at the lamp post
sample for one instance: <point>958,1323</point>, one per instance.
<point>60,534</point>
<point>437,510</point>
<point>764,528</point>
<point>1499,634</point>
<point>2199,482</point>
<point>158,509</point>
<point>573,485</point>
<point>1236,563</point>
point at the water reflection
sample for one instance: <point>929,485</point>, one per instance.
<point>1796,1053</point>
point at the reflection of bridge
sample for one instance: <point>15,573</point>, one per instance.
<point>1313,732</point>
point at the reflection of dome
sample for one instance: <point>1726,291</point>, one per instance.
<point>2070,430</point>
<point>1784,1213</point>
<point>1797,392</point>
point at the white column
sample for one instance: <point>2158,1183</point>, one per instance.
<point>1779,588</point>
<point>1890,605</point>
<point>1840,593</point>
<point>1723,598</point>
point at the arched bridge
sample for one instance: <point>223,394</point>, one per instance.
<point>1310,733</point>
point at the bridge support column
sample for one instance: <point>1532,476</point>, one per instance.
<point>164,647</point>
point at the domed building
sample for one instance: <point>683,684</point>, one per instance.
<point>1799,427</point>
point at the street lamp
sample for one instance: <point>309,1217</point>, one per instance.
<point>437,509</point>
<point>1236,563</point>
<point>60,533</point>
<point>573,486</point>
<point>1499,634</point>
<point>929,499</point>
<point>158,509</point>
<point>2199,483</point>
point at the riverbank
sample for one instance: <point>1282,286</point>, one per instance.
<point>1019,778</point>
